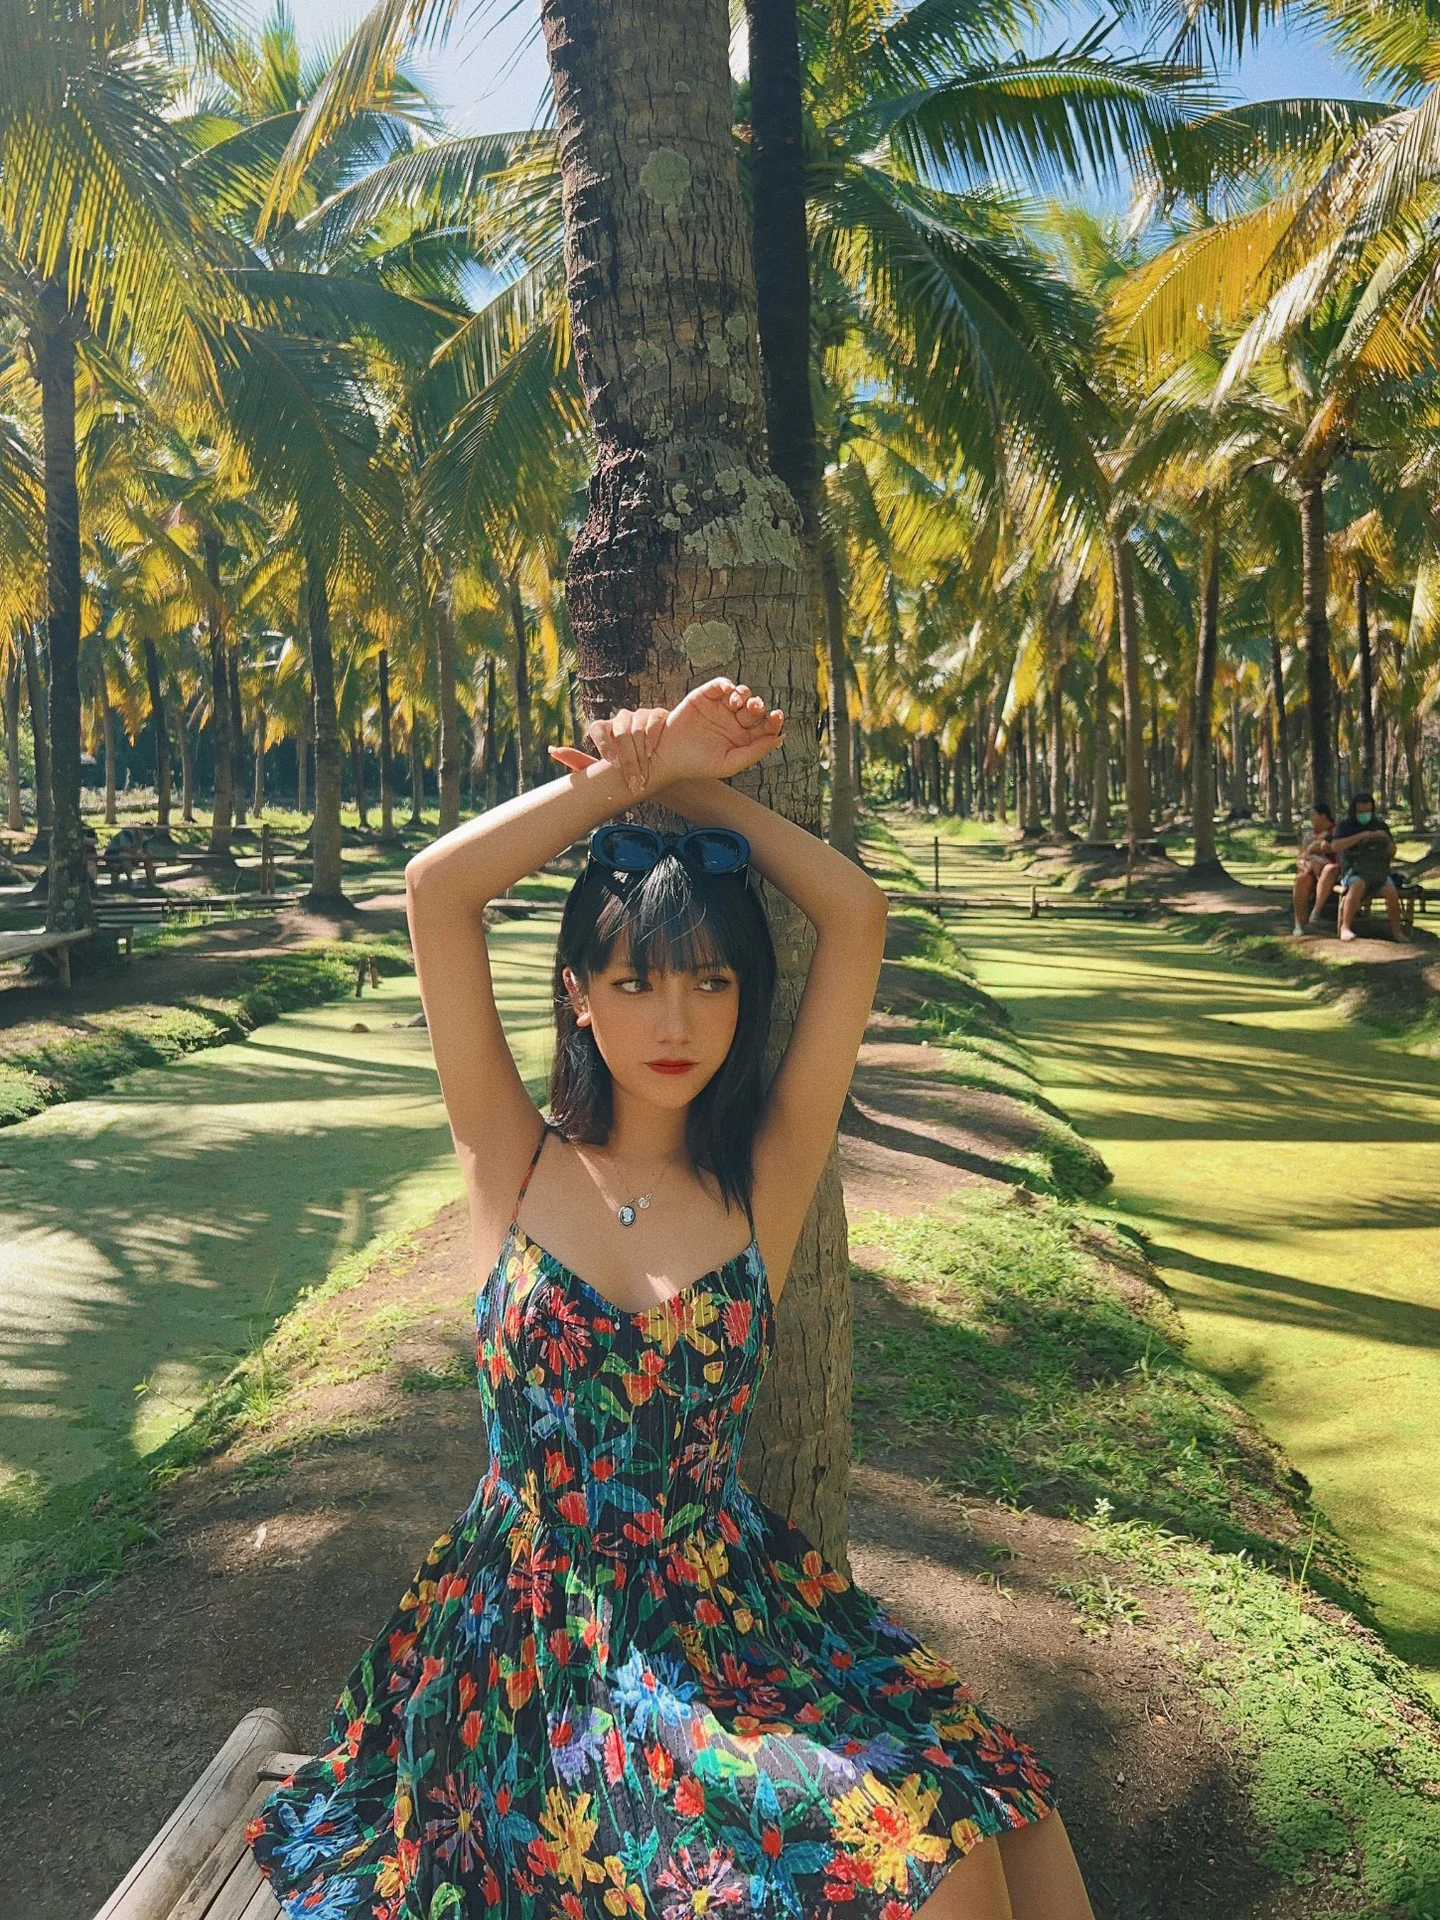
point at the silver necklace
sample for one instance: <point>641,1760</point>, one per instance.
<point>627,1212</point>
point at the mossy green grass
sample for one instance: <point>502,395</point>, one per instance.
<point>1281,1162</point>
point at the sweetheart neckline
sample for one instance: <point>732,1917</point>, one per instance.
<point>636,1313</point>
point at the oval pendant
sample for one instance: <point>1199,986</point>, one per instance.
<point>626,1216</point>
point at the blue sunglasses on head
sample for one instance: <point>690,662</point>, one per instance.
<point>622,849</point>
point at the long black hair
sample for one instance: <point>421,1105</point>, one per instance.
<point>675,918</point>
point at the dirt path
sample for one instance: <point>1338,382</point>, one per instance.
<point>1284,1161</point>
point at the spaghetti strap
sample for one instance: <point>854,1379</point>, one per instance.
<point>534,1162</point>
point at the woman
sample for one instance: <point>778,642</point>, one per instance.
<point>620,1683</point>
<point>1317,869</point>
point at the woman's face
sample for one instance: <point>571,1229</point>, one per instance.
<point>664,1038</point>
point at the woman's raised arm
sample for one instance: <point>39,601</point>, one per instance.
<point>848,912</point>
<point>493,1120</point>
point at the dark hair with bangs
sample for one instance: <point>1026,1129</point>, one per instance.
<point>677,919</point>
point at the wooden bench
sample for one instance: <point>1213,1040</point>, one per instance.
<point>198,1866</point>
<point>122,917</point>
<point>1412,895</point>
<point>55,947</point>
<point>178,903</point>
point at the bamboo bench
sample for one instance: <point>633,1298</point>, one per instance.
<point>124,916</point>
<point>55,946</point>
<point>198,1867</point>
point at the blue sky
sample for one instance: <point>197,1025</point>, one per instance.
<point>490,78</point>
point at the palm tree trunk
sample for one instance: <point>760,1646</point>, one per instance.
<point>417,771</point>
<point>237,737</point>
<point>302,760</point>
<point>449,743</point>
<point>492,756</point>
<point>38,699</point>
<point>1137,779</point>
<point>387,753</point>
<point>1415,765</point>
<point>14,802</point>
<point>520,673</point>
<point>671,582</point>
<point>1027,740</point>
<point>357,768</point>
<point>1345,774</point>
<point>1282,735</point>
<point>1315,588</point>
<point>68,905</point>
<point>325,880</point>
<point>1269,763</point>
<point>1367,680</point>
<point>842,793</point>
<point>187,763</point>
<point>160,730</point>
<point>1202,714</point>
<point>107,729</point>
<point>781,251</point>
<point>1059,809</point>
<point>222,818</point>
<point>260,742</point>
<point>1098,825</point>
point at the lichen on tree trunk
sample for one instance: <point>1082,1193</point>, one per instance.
<point>689,562</point>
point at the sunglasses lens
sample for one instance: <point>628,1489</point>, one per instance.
<point>628,849</point>
<point>717,850</point>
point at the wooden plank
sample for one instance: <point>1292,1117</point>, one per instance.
<point>167,1865</point>
<point>19,946</point>
<point>263,1904</point>
<point>226,1858</point>
<point>237,1896</point>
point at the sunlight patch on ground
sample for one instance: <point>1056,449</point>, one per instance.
<point>150,1235</point>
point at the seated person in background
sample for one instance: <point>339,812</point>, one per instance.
<point>1318,868</point>
<point>129,848</point>
<point>1365,847</point>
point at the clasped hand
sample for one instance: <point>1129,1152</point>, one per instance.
<point>718,730</point>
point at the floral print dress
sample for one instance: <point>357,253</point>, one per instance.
<point>620,1684</point>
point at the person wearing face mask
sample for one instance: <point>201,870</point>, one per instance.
<point>1366,848</point>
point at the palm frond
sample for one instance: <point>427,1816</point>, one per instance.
<point>1044,120</point>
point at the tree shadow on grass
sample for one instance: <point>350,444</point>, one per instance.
<point>1290,1301</point>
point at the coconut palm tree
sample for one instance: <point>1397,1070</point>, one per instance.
<point>101,248</point>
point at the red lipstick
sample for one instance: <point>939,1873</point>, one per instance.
<point>671,1066</point>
